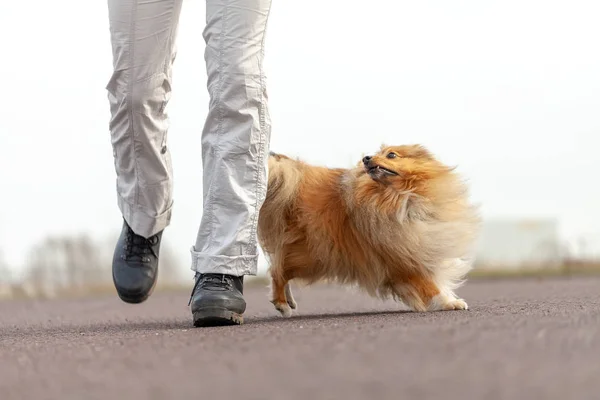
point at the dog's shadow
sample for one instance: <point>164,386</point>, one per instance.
<point>274,319</point>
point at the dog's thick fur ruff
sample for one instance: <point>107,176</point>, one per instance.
<point>398,225</point>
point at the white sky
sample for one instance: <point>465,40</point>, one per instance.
<point>508,90</point>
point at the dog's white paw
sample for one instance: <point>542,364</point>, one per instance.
<point>284,309</point>
<point>457,304</point>
<point>446,303</point>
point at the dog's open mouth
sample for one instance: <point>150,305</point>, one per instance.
<point>377,169</point>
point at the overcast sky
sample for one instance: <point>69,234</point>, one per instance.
<point>507,90</point>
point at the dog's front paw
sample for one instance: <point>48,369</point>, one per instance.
<point>456,304</point>
<point>443,302</point>
<point>283,308</point>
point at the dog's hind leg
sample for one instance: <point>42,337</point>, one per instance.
<point>281,295</point>
<point>421,294</point>
<point>291,263</point>
<point>279,287</point>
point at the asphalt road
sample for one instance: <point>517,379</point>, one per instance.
<point>528,339</point>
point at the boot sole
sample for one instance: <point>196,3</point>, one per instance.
<point>215,316</point>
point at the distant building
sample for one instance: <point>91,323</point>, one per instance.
<point>519,243</point>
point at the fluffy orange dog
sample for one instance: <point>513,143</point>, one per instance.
<point>399,224</point>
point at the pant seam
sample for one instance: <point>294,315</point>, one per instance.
<point>258,175</point>
<point>219,105</point>
<point>168,71</point>
<point>130,98</point>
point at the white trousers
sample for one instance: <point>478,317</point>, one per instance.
<point>235,138</point>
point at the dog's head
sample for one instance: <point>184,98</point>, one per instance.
<point>403,167</point>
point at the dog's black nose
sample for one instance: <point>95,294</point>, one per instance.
<point>366,159</point>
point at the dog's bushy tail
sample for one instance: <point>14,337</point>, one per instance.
<point>282,188</point>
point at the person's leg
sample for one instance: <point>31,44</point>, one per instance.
<point>235,145</point>
<point>143,42</point>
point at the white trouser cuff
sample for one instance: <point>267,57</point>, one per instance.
<point>140,222</point>
<point>228,265</point>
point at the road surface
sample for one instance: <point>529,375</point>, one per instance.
<point>527,339</point>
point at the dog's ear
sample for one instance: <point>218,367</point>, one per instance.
<point>421,151</point>
<point>277,156</point>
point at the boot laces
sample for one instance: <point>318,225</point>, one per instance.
<point>211,281</point>
<point>139,248</point>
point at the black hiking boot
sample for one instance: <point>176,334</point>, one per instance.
<point>135,265</point>
<point>218,300</point>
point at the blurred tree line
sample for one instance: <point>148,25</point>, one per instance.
<point>77,264</point>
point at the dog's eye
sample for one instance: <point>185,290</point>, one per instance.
<point>392,155</point>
